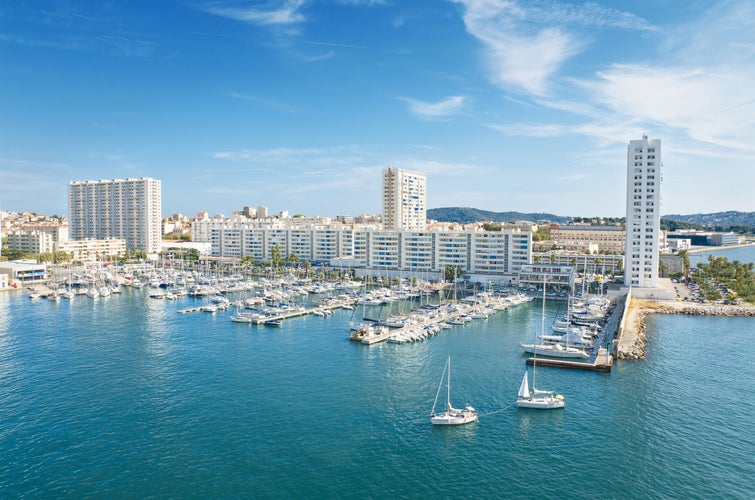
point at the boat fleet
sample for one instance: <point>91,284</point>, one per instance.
<point>574,335</point>
<point>430,319</point>
<point>571,337</point>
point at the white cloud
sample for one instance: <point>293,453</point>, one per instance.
<point>435,110</point>
<point>527,43</point>
<point>277,14</point>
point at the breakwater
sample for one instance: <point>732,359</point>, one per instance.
<point>634,336</point>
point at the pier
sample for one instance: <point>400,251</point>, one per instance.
<point>602,357</point>
<point>602,363</point>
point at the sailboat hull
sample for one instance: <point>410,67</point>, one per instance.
<point>546,403</point>
<point>555,351</point>
<point>451,415</point>
<point>454,417</point>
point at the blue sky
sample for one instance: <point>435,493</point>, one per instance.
<point>298,105</point>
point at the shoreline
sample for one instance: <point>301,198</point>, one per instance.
<point>634,335</point>
<point>703,249</point>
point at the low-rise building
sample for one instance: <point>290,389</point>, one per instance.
<point>724,239</point>
<point>23,272</point>
<point>90,250</point>
<point>557,277</point>
<point>675,245</point>
<point>585,237</point>
<point>583,263</point>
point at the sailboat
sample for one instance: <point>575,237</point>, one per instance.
<point>451,415</point>
<point>555,349</point>
<point>537,398</point>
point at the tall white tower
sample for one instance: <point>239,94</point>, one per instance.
<point>641,256</point>
<point>404,200</point>
<point>129,209</point>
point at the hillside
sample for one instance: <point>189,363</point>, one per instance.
<point>465,215</point>
<point>720,219</point>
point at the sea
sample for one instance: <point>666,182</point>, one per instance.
<point>123,397</point>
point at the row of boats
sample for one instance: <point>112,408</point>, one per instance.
<point>573,337</point>
<point>428,320</point>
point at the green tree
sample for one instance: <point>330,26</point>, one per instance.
<point>684,254</point>
<point>452,272</point>
<point>275,255</point>
<point>542,234</point>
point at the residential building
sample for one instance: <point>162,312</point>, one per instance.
<point>583,238</point>
<point>37,238</point>
<point>479,255</point>
<point>129,209</point>
<point>404,200</point>
<point>643,219</point>
<point>91,250</point>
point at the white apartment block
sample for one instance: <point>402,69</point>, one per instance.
<point>404,200</point>
<point>476,253</point>
<point>129,209</point>
<point>37,238</point>
<point>91,250</point>
<point>643,225</point>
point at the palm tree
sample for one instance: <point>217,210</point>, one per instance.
<point>684,254</point>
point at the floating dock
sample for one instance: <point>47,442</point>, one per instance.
<point>602,363</point>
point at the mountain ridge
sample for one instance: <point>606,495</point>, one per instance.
<point>466,215</point>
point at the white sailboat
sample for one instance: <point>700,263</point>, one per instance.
<point>537,398</point>
<point>556,349</point>
<point>451,415</point>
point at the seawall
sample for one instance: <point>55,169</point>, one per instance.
<point>634,334</point>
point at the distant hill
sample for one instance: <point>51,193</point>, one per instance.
<point>720,219</point>
<point>466,215</point>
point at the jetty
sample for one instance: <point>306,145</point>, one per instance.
<point>603,362</point>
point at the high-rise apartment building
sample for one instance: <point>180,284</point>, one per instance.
<point>643,226</point>
<point>404,200</point>
<point>129,209</point>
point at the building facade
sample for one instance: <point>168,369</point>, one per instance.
<point>91,250</point>
<point>129,209</point>
<point>404,200</point>
<point>581,238</point>
<point>477,254</point>
<point>37,238</point>
<point>643,220</point>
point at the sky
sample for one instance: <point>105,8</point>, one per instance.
<point>298,105</point>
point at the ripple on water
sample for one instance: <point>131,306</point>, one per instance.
<point>125,395</point>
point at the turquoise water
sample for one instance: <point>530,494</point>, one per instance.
<point>123,396</point>
<point>742,254</point>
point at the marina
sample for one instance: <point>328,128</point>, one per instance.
<point>137,397</point>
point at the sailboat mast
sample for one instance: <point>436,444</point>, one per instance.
<point>542,335</point>
<point>448,384</point>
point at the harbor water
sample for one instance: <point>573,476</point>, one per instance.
<point>125,397</point>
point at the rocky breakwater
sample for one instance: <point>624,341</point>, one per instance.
<point>634,336</point>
